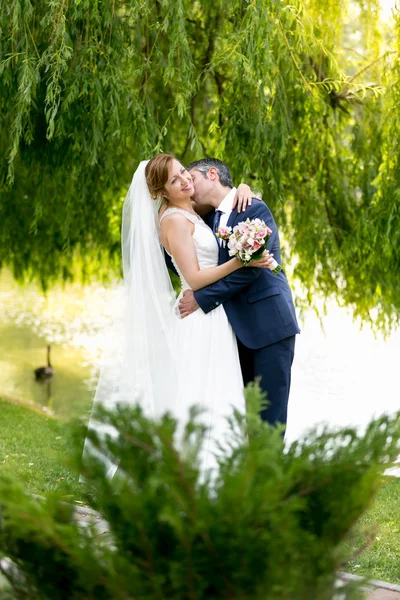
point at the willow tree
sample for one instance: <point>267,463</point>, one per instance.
<point>276,89</point>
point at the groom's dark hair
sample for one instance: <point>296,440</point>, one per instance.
<point>204,164</point>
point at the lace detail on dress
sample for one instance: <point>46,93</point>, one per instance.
<point>190,216</point>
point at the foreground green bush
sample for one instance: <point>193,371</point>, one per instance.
<point>271,525</point>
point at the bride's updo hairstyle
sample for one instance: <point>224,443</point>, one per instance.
<point>157,174</point>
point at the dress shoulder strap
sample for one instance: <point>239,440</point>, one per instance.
<point>191,217</point>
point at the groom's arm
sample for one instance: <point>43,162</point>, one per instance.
<point>213,295</point>
<point>169,263</point>
<point>219,292</point>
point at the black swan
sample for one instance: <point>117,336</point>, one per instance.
<point>43,373</point>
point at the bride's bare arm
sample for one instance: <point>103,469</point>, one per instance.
<point>176,232</point>
<point>176,235</point>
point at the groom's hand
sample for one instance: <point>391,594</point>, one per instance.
<point>187,304</point>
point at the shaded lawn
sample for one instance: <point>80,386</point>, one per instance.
<point>381,525</point>
<point>35,448</point>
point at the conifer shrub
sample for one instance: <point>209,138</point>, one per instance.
<point>270,524</point>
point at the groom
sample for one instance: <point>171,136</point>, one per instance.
<point>258,304</point>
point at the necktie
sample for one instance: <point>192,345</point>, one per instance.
<point>216,220</point>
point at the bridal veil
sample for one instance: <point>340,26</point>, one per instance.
<point>139,364</point>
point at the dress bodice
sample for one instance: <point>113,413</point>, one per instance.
<point>204,240</point>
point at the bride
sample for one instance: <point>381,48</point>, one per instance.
<point>167,363</point>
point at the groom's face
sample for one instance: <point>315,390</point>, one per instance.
<point>203,185</point>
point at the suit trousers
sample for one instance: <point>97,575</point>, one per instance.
<point>272,364</point>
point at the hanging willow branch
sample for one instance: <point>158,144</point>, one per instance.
<point>88,89</point>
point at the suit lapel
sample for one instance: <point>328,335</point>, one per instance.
<point>232,218</point>
<point>209,218</point>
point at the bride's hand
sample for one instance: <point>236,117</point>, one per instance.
<point>243,197</point>
<point>265,262</point>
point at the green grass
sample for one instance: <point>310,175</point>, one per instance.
<point>381,526</point>
<point>35,447</point>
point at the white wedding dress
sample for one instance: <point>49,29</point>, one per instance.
<point>154,358</point>
<point>208,365</point>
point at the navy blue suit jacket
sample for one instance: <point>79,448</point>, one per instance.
<point>259,304</point>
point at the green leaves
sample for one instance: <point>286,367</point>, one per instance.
<point>175,534</point>
<point>282,92</point>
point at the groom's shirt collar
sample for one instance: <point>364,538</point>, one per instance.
<point>226,204</point>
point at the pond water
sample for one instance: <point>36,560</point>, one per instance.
<point>341,375</point>
<point>22,350</point>
<point>71,320</point>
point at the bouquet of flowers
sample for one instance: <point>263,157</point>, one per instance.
<point>247,241</point>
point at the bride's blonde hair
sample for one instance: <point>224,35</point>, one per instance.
<point>156,173</point>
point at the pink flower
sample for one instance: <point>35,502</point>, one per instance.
<point>246,238</point>
<point>224,232</point>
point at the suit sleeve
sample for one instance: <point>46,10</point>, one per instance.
<point>219,292</point>
<point>169,263</point>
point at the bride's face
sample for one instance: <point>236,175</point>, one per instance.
<point>179,185</point>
